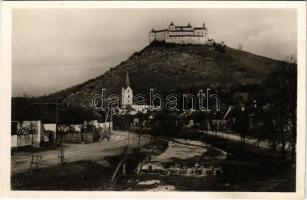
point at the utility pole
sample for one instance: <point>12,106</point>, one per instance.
<point>32,151</point>
<point>60,146</point>
<point>110,122</point>
<point>34,159</point>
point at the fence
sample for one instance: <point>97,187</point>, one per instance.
<point>77,137</point>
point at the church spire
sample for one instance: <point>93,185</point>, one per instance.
<point>127,82</point>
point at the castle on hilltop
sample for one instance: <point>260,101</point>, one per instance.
<point>181,34</point>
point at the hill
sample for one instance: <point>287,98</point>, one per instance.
<point>171,67</point>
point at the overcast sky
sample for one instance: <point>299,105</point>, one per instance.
<point>57,48</point>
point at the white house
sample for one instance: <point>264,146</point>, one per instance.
<point>26,123</point>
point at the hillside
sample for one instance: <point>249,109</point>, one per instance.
<point>169,67</point>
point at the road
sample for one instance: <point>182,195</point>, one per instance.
<point>21,161</point>
<point>237,138</point>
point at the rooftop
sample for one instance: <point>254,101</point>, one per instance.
<point>180,27</point>
<point>24,110</point>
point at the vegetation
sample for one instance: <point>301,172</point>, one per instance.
<point>178,69</point>
<point>282,84</point>
<point>169,67</point>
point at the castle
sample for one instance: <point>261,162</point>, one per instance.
<point>181,34</point>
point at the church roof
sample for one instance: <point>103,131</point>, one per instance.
<point>127,81</point>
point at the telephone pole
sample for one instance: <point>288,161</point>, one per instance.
<point>60,146</point>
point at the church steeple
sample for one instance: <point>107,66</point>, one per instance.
<point>127,81</point>
<point>127,93</point>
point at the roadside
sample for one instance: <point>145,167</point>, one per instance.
<point>249,168</point>
<point>21,160</point>
<point>192,162</point>
<point>170,154</point>
<point>236,137</point>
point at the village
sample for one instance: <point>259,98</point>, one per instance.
<point>215,143</point>
<point>43,124</point>
<point>48,135</point>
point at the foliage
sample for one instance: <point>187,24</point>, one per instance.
<point>282,87</point>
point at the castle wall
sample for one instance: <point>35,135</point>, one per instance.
<point>160,36</point>
<point>200,32</point>
<point>180,35</point>
<point>186,40</point>
<point>152,36</point>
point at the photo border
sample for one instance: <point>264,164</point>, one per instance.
<point>6,92</point>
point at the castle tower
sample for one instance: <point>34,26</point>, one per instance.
<point>171,27</point>
<point>127,93</point>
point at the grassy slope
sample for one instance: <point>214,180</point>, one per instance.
<point>168,67</point>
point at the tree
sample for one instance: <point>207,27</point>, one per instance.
<point>282,84</point>
<point>288,79</point>
<point>201,118</point>
<point>240,47</point>
<point>23,128</point>
<point>258,130</point>
<point>243,125</point>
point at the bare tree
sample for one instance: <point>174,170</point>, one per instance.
<point>240,47</point>
<point>289,97</point>
<point>283,85</point>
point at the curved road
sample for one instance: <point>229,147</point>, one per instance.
<point>78,152</point>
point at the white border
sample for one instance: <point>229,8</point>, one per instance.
<point>5,100</point>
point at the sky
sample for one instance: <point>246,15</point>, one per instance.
<point>53,49</point>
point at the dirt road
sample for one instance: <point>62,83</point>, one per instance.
<point>21,161</point>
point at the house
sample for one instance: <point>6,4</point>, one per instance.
<point>38,124</point>
<point>91,119</point>
<point>75,123</point>
<point>241,116</point>
<point>218,121</point>
<point>48,113</point>
<point>26,123</point>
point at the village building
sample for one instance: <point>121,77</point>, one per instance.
<point>48,113</point>
<point>127,100</point>
<point>76,124</point>
<point>140,108</point>
<point>80,124</point>
<point>127,93</point>
<point>40,124</point>
<point>181,34</point>
<point>26,124</point>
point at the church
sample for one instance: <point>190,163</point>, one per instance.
<point>127,93</point>
<point>127,99</point>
